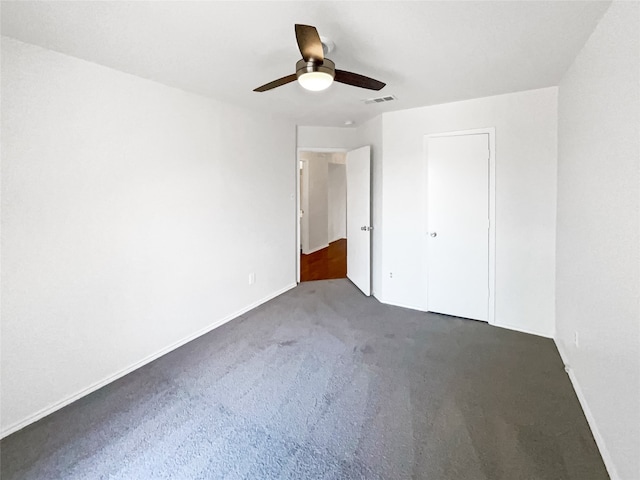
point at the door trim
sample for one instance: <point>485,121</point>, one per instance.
<point>491,131</point>
<point>298,199</point>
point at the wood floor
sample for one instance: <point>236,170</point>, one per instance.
<point>330,262</point>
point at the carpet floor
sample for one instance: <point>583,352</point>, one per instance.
<point>324,383</point>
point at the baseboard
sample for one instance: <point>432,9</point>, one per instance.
<point>314,250</point>
<point>522,330</point>
<point>57,406</point>
<point>508,327</point>
<point>401,305</point>
<point>604,452</point>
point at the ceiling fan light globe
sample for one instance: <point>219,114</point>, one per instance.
<point>315,76</point>
<point>315,81</point>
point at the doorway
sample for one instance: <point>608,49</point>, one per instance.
<point>323,215</point>
<point>461,227</point>
<point>334,215</point>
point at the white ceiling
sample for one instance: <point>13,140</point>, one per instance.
<point>427,52</point>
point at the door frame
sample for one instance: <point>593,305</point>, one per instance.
<point>298,199</point>
<point>491,131</point>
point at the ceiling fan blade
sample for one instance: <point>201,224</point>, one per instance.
<point>358,80</point>
<point>277,83</point>
<point>309,43</point>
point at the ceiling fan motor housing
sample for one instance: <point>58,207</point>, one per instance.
<point>327,66</point>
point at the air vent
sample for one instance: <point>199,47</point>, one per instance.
<point>386,98</point>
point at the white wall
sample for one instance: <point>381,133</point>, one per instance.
<point>327,137</point>
<point>304,207</point>
<point>317,211</point>
<point>337,198</point>
<point>132,215</point>
<point>526,127</point>
<point>598,249</point>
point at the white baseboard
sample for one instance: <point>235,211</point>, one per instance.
<point>604,452</point>
<point>523,330</point>
<point>508,327</point>
<point>86,391</point>
<point>401,305</point>
<point>314,250</point>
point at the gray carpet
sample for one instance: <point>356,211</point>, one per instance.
<point>324,383</point>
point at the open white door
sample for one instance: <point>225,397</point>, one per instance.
<point>358,218</point>
<point>458,216</point>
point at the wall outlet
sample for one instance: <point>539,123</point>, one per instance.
<point>576,339</point>
<point>390,274</point>
<point>252,278</point>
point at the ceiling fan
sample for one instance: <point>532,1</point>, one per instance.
<point>315,72</point>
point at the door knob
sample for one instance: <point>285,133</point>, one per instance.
<point>434,234</point>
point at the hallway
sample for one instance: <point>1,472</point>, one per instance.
<point>325,264</point>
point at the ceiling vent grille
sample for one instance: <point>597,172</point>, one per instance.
<point>386,98</point>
